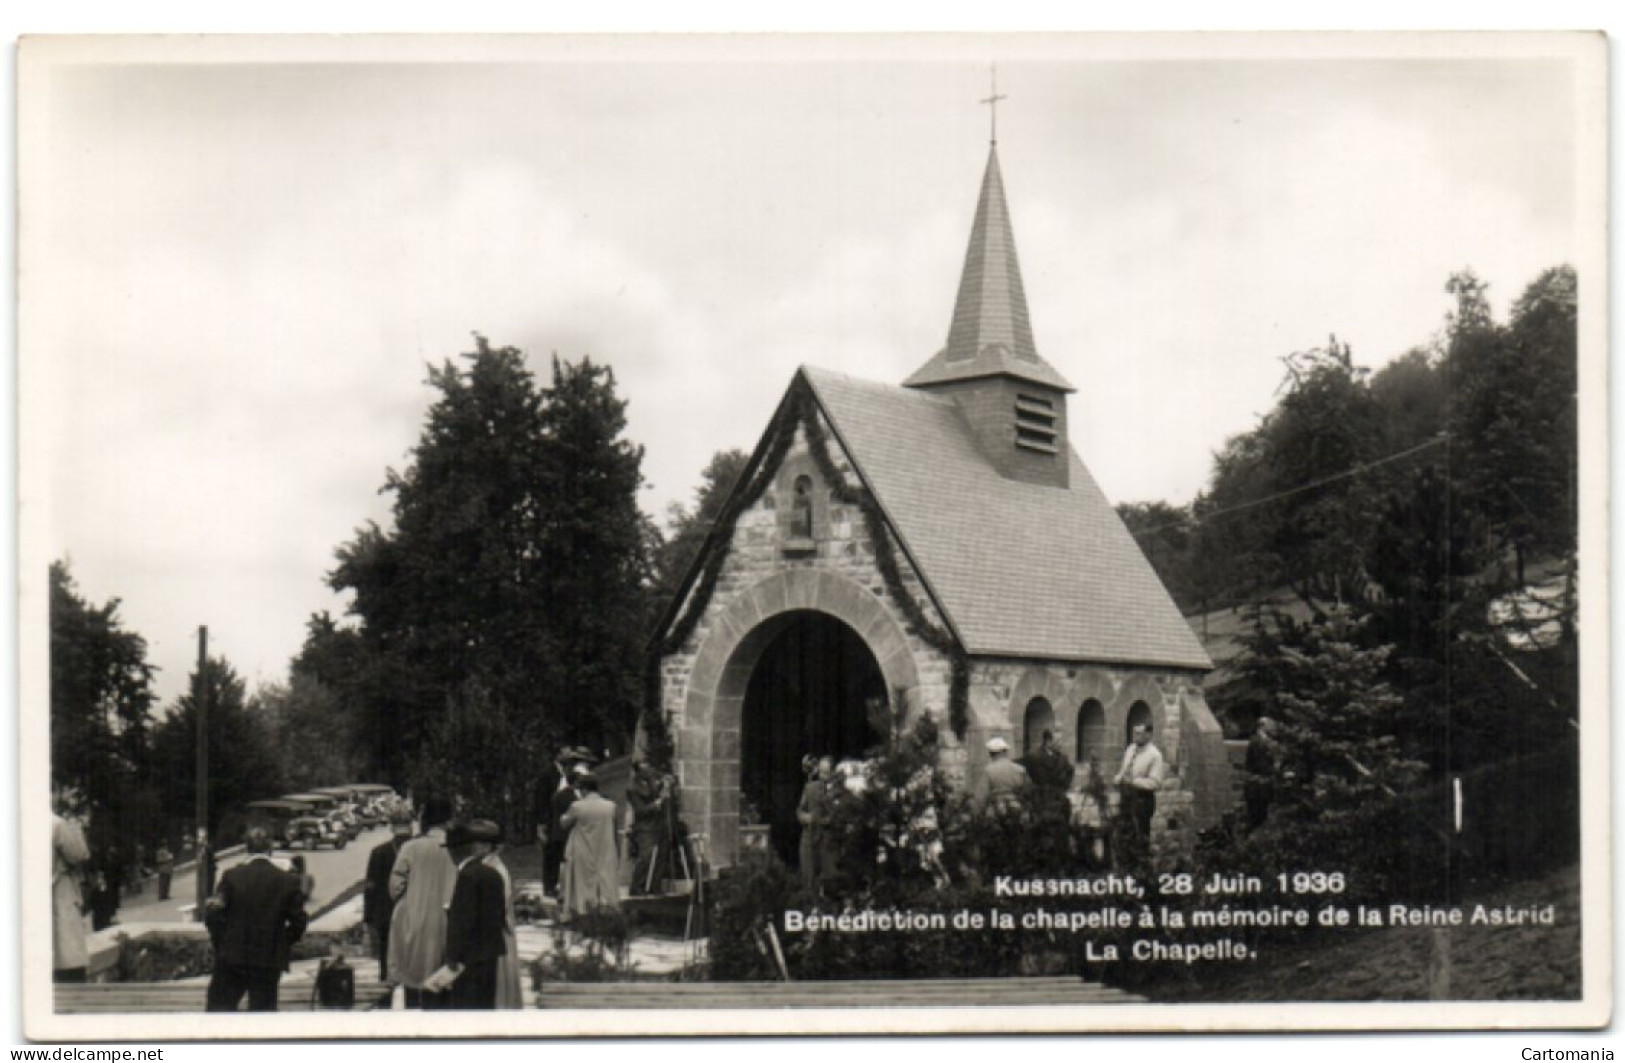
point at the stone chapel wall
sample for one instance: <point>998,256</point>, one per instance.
<point>1197,791</point>
<point>771,571</point>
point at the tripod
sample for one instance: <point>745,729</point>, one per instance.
<point>667,841</point>
<point>696,915</point>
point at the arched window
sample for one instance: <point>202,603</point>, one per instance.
<point>1092,741</point>
<point>1138,713</point>
<point>1040,717</point>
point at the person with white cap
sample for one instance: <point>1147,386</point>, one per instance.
<point>1004,783</point>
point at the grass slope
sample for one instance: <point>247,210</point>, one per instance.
<point>1488,963</point>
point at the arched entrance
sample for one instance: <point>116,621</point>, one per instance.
<point>710,739</point>
<point>806,695</point>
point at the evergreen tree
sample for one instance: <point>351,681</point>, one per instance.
<point>1339,746</point>
<point>594,552</point>
<point>505,612</point>
<point>243,762</point>
<point>101,705</point>
<point>457,590</point>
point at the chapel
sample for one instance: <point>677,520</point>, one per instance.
<point>936,544</point>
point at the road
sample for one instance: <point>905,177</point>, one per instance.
<point>335,871</point>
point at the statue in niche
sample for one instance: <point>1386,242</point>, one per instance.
<point>801,514</point>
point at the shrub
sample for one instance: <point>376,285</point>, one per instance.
<point>594,947</point>
<point>162,958</point>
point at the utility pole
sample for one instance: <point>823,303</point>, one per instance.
<point>200,697</point>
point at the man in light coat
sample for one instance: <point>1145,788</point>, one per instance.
<point>421,884</point>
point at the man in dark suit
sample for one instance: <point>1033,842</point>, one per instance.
<point>377,908</point>
<point>474,921</point>
<point>255,915</point>
<point>547,821</point>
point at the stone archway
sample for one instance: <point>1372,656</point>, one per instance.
<point>1040,683</point>
<point>1087,701</point>
<point>709,730</point>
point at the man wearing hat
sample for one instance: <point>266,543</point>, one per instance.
<point>474,920</point>
<point>377,908</point>
<point>1005,783</point>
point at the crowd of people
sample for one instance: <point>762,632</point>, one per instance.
<point>1009,787</point>
<point>439,901</point>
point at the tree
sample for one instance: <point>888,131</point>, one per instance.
<point>243,762</point>
<point>1410,393</point>
<point>1513,418</point>
<point>311,735</point>
<point>1339,745</point>
<point>1290,503</point>
<point>594,550</point>
<point>686,529</point>
<point>510,597</point>
<point>458,587</point>
<point>101,705</point>
<point>1166,535</point>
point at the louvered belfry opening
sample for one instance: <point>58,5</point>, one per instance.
<point>1035,423</point>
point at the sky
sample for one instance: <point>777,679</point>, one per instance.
<point>238,263</point>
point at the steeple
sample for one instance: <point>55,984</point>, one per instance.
<point>1014,402</point>
<point>991,334</point>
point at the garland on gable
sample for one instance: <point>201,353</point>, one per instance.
<point>800,410</point>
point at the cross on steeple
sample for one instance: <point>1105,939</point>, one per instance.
<point>993,104</point>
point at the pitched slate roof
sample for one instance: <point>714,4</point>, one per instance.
<point>991,332</point>
<point>1022,570</point>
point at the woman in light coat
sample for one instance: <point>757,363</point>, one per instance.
<point>591,873</point>
<point>69,956</point>
<point>421,885</point>
<point>510,992</point>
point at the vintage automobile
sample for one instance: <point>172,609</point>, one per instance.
<point>308,832</point>
<point>344,820</point>
<point>350,805</point>
<point>274,816</point>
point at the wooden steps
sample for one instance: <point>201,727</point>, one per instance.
<point>915,993</point>
<point>100,998</point>
<point>187,997</point>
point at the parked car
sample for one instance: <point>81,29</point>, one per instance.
<point>308,832</point>
<point>275,816</point>
<point>342,820</point>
